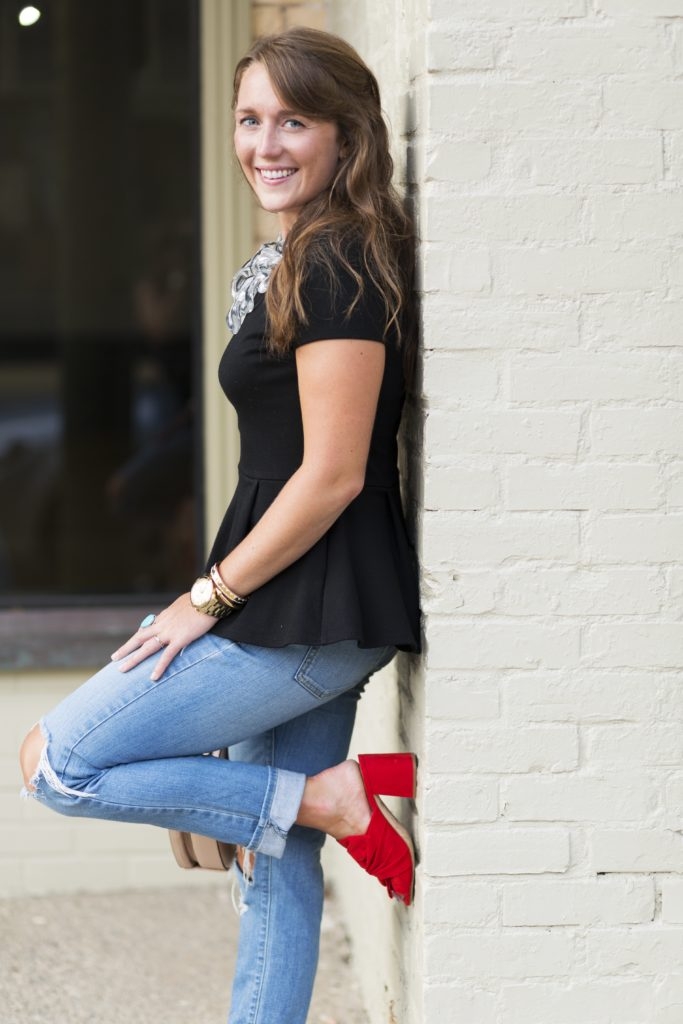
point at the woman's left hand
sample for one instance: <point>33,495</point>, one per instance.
<point>174,628</point>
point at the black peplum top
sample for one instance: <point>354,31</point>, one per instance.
<point>359,581</point>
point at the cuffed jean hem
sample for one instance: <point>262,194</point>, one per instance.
<point>279,812</point>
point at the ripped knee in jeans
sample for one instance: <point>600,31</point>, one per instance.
<point>35,765</point>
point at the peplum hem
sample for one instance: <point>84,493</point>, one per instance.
<point>358,582</point>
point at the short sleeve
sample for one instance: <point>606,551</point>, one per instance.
<point>327,308</point>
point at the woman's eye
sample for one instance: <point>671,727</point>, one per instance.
<point>247,121</point>
<point>292,122</point>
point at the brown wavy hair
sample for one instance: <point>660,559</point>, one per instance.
<point>322,77</point>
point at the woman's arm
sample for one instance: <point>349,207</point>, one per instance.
<point>339,384</point>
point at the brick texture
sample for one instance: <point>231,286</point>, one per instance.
<point>551,527</point>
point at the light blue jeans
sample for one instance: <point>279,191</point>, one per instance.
<point>125,748</point>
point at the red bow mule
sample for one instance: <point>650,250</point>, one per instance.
<point>385,850</point>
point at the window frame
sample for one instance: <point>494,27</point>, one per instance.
<point>69,635</point>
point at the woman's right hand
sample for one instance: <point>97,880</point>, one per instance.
<point>172,630</point>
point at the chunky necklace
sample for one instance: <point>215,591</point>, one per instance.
<point>252,279</point>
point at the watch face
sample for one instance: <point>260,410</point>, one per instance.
<point>202,591</point>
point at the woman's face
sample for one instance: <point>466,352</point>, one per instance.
<point>287,157</point>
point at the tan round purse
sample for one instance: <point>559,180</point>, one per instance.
<point>194,851</point>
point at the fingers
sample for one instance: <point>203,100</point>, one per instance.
<point>168,654</point>
<point>151,646</point>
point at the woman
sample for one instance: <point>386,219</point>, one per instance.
<point>311,583</point>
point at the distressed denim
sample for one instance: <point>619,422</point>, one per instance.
<point>126,748</point>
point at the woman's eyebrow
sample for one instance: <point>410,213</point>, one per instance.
<point>280,113</point>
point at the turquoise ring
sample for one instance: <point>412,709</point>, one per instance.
<point>147,621</point>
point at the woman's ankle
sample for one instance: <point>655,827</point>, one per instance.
<point>334,802</point>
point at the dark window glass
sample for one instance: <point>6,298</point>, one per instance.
<point>99,300</point>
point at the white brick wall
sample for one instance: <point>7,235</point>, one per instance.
<point>551,215</point>
<point>547,157</point>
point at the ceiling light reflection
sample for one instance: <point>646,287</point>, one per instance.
<point>28,16</point>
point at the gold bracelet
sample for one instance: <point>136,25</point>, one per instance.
<point>229,597</point>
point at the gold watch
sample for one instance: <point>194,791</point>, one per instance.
<point>205,597</point>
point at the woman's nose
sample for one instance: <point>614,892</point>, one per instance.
<point>269,144</point>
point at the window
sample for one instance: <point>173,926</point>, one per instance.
<point>100,403</point>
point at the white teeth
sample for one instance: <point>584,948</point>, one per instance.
<point>269,175</point>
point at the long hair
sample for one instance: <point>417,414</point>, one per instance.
<point>322,77</point>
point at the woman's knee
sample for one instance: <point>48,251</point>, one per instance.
<point>29,755</point>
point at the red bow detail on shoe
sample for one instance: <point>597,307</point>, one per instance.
<point>384,854</point>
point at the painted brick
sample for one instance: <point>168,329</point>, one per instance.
<point>456,376</point>
<point>517,218</point>
<point>576,51</point>
<point>641,8</point>
<point>511,10</point>
<point>504,645</point>
<point>637,216</point>
<point>597,485</point>
<point>458,161</point>
<point>676,586</point>
<point>598,376</point>
<point>675,487</point>
<point>600,901</point>
<point>594,161</point>
<point>635,538</point>
<point>626,1000</point>
<point>647,950</point>
<point>488,324</point>
<point>495,851</point>
<point>605,797</point>
<point>532,954</point>
<point>467,538</point>
<point>492,749</point>
<point>468,593</point>
<point>645,103</point>
<point>463,696</point>
<point>458,1002</point>
<point>585,592</point>
<point>74,874</point>
<point>668,998</point>
<point>635,645</point>
<point>619,321</point>
<point>637,431</point>
<point>495,106</point>
<point>463,904</point>
<point>630,745</point>
<point>49,838</point>
<point>445,268</point>
<point>459,488</point>
<point>474,592</point>
<point>506,432</point>
<point>644,850</point>
<point>459,800</point>
<point>566,270</point>
<point>462,51</point>
<point>672,900</point>
<point>590,696</point>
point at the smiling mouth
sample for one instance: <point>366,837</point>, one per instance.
<point>276,175</point>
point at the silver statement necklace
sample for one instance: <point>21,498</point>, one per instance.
<point>252,279</point>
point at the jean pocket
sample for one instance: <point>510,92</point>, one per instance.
<point>304,674</point>
<point>328,671</point>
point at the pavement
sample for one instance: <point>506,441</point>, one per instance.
<point>145,957</point>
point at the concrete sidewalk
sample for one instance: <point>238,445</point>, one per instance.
<point>145,957</point>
